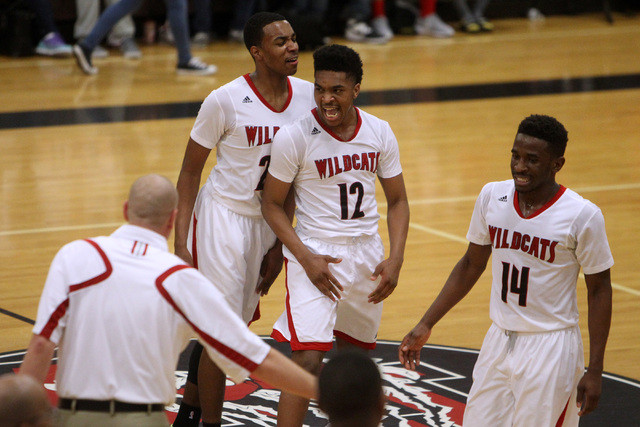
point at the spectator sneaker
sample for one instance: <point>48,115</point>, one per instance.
<point>201,39</point>
<point>470,27</point>
<point>130,49</point>
<point>485,25</point>
<point>382,27</point>
<point>432,25</point>
<point>53,45</point>
<point>360,32</point>
<point>195,67</point>
<point>83,58</point>
<point>236,36</point>
<point>99,52</point>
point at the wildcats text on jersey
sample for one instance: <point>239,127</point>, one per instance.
<point>336,165</point>
<point>264,134</point>
<point>543,249</point>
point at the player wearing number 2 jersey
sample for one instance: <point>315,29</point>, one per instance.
<point>222,231</point>
<point>337,275</point>
<point>530,371</point>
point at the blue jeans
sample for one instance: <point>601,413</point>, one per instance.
<point>176,12</point>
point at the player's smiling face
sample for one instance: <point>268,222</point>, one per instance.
<point>334,94</point>
<point>280,48</point>
<point>533,166</point>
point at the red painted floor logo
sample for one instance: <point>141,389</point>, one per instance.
<point>434,396</point>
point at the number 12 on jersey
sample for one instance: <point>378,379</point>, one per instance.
<point>515,281</point>
<point>355,188</point>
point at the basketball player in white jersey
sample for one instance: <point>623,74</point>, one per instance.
<point>530,371</point>
<point>220,230</point>
<point>337,275</point>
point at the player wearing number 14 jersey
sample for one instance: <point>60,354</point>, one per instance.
<point>337,275</point>
<point>539,234</point>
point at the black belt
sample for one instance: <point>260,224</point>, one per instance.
<point>110,406</point>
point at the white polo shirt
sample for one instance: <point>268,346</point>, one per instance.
<point>122,308</point>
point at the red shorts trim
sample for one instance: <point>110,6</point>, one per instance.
<point>351,340</point>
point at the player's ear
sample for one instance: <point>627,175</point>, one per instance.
<point>558,163</point>
<point>356,90</point>
<point>125,210</point>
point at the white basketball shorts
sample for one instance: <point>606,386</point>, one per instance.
<point>526,379</point>
<point>311,319</point>
<point>228,249</point>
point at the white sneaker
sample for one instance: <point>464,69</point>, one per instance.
<point>360,32</point>
<point>432,25</point>
<point>195,67</point>
<point>535,15</point>
<point>382,27</point>
<point>236,36</point>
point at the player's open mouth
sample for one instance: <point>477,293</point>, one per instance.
<point>331,112</point>
<point>521,179</point>
<point>293,60</point>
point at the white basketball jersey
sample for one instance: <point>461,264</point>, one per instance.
<point>240,124</point>
<point>335,180</point>
<point>536,260</point>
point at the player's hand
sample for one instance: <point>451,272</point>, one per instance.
<point>409,350</point>
<point>269,269</point>
<point>589,391</point>
<point>183,253</point>
<point>317,269</point>
<point>389,270</point>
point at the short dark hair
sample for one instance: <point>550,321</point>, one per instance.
<point>254,28</point>
<point>336,57</point>
<point>548,129</point>
<point>350,386</point>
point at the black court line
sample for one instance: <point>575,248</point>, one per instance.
<point>77,116</point>
<point>17,316</point>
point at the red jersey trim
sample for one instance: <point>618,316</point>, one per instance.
<point>60,311</point>
<point>330,132</point>
<point>264,101</point>
<point>563,415</point>
<point>351,340</point>
<point>220,347</point>
<point>516,203</point>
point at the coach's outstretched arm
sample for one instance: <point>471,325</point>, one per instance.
<point>282,373</point>
<point>461,280</point>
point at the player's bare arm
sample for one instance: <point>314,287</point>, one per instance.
<point>38,358</point>
<point>195,157</point>
<point>316,266</point>
<point>272,262</point>
<point>599,300</point>
<point>462,279</point>
<point>398,224</point>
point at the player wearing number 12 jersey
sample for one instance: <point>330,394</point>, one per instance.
<point>539,234</point>
<point>337,275</point>
<point>222,231</point>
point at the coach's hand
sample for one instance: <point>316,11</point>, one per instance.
<point>269,269</point>
<point>389,270</point>
<point>317,269</point>
<point>409,350</point>
<point>589,391</point>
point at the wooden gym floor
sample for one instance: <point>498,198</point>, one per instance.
<point>71,145</point>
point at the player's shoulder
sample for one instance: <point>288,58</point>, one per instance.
<point>297,82</point>
<point>578,202</point>
<point>502,191</point>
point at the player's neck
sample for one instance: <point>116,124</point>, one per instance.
<point>274,88</point>
<point>532,201</point>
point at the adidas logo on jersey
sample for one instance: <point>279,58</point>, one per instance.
<point>503,199</point>
<point>315,131</point>
<point>247,100</point>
